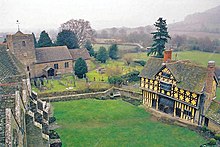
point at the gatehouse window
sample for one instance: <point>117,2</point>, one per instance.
<point>165,75</point>
<point>23,43</point>
<point>66,64</point>
<point>165,86</point>
<point>56,66</point>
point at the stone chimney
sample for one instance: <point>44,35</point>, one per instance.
<point>209,79</point>
<point>167,55</point>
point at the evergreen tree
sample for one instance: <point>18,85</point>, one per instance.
<point>88,46</point>
<point>80,68</point>
<point>44,40</point>
<point>113,51</point>
<point>35,41</point>
<point>102,54</point>
<point>68,38</point>
<point>160,38</point>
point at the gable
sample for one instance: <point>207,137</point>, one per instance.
<point>165,75</point>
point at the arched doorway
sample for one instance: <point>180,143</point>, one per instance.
<point>50,72</point>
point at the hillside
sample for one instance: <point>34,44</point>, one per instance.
<point>208,21</point>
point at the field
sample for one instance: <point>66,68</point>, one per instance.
<point>93,122</point>
<point>120,47</point>
<point>198,57</point>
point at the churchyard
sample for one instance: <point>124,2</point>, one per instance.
<point>97,77</point>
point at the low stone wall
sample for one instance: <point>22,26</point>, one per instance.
<point>103,95</point>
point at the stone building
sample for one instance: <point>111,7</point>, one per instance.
<point>23,117</point>
<point>179,88</point>
<point>46,61</point>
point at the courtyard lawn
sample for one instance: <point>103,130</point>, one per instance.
<point>101,123</point>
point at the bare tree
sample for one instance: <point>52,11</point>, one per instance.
<point>81,28</point>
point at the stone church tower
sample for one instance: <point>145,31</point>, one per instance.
<point>22,46</point>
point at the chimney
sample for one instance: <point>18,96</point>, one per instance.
<point>167,55</point>
<point>209,79</point>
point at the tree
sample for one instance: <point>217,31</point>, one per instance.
<point>113,51</point>
<point>44,40</point>
<point>81,28</point>
<point>80,68</point>
<point>160,38</point>
<point>88,46</point>
<point>68,38</point>
<point>35,41</point>
<point>102,54</point>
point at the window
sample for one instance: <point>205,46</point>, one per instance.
<point>23,43</point>
<point>165,86</point>
<point>66,64</point>
<point>165,75</point>
<point>28,68</point>
<point>56,66</point>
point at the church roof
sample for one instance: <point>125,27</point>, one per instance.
<point>79,53</point>
<point>52,54</point>
<point>188,75</point>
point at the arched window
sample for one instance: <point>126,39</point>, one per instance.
<point>23,43</point>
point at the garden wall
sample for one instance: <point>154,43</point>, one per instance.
<point>101,95</point>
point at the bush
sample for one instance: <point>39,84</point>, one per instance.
<point>141,62</point>
<point>52,119</point>
<point>217,137</point>
<point>212,141</point>
<point>53,135</point>
<point>116,80</point>
<point>131,76</point>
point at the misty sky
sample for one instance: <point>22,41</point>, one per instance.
<point>49,14</point>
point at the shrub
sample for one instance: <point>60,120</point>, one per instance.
<point>217,137</point>
<point>141,62</point>
<point>131,76</point>
<point>53,135</point>
<point>116,80</point>
<point>52,119</point>
<point>212,141</point>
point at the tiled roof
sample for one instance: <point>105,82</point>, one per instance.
<point>79,53</point>
<point>10,68</point>
<point>52,54</point>
<point>188,75</point>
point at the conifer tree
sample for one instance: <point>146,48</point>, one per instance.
<point>88,46</point>
<point>113,51</point>
<point>160,38</point>
<point>68,38</point>
<point>102,54</point>
<point>44,40</point>
<point>80,68</point>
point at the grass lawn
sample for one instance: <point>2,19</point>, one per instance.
<point>110,123</point>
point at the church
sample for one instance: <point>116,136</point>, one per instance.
<point>45,61</point>
<point>180,88</point>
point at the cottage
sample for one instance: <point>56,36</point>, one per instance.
<point>179,88</point>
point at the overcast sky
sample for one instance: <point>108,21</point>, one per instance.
<point>49,14</point>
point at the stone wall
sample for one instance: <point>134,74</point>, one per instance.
<point>38,68</point>
<point>109,92</point>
